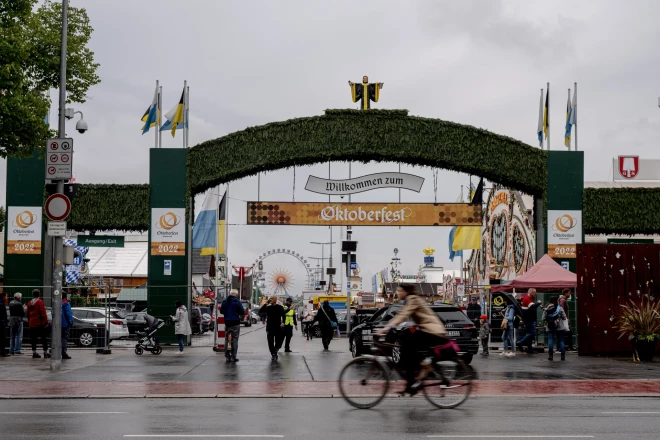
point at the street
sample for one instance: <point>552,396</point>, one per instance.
<point>307,418</point>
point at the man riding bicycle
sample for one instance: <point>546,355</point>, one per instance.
<point>431,333</point>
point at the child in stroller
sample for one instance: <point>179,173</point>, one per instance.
<point>147,341</point>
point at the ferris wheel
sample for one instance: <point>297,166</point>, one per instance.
<point>280,282</point>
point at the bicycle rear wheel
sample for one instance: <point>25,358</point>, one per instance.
<point>458,376</point>
<point>364,381</point>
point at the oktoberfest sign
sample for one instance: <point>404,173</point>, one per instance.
<point>24,230</point>
<point>364,183</point>
<point>363,214</point>
<point>168,231</point>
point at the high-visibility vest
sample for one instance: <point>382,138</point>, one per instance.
<point>288,316</point>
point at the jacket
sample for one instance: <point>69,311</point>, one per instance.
<point>16,309</point>
<point>36,313</point>
<point>484,330</point>
<point>473,311</point>
<point>324,318</point>
<point>3,315</point>
<point>417,309</point>
<point>562,321</point>
<point>529,315</point>
<point>290,317</point>
<point>232,309</point>
<point>273,314</point>
<point>181,322</point>
<point>67,314</point>
<point>510,313</point>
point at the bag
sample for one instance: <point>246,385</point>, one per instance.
<point>14,322</point>
<point>516,321</point>
<point>505,324</point>
<point>333,324</point>
<point>551,318</point>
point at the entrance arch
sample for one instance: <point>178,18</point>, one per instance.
<point>363,136</point>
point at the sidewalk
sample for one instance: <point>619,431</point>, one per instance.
<point>309,371</point>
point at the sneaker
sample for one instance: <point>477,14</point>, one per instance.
<point>46,355</point>
<point>227,360</point>
<point>288,351</point>
<point>273,357</point>
<point>235,360</point>
<point>178,352</point>
<point>18,352</point>
<point>483,354</point>
<point>36,355</point>
<point>66,356</point>
<point>503,353</point>
<point>510,354</point>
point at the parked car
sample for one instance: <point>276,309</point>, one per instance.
<point>254,316</point>
<point>459,328</point>
<point>198,324</point>
<point>136,322</point>
<point>97,315</point>
<point>207,316</point>
<point>246,320</point>
<point>81,333</point>
<point>365,315</point>
<point>341,320</point>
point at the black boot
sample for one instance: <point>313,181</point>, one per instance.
<point>563,356</point>
<point>549,355</point>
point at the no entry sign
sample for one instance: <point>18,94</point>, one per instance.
<point>58,207</point>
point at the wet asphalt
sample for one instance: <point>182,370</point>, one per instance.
<point>410,418</point>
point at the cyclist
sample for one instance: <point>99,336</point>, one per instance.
<point>431,333</point>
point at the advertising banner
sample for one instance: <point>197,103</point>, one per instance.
<point>564,233</point>
<point>364,183</point>
<point>168,231</point>
<point>24,230</point>
<point>363,214</point>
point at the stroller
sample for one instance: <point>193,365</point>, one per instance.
<point>147,341</point>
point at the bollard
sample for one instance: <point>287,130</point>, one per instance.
<point>220,324</point>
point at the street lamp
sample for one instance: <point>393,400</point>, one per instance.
<point>323,256</point>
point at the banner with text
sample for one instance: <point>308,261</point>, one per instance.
<point>168,231</point>
<point>364,183</point>
<point>363,214</point>
<point>24,230</point>
<point>564,233</point>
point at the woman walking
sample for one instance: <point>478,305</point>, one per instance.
<point>327,319</point>
<point>556,325</point>
<point>508,336</point>
<point>181,324</point>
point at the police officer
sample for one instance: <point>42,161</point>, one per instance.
<point>290,322</point>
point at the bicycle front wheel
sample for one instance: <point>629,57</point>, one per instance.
<point>364,382</point>
<point>456,387</point>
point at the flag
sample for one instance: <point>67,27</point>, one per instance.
<point>210,224</point>
<point>175,117</point>
<point>477,196</point>
<point>539,130</point>
<point>573,119</point>
<point>453,254</point>
<point>546,114</point>
<point>569,126</point>
<point>151,115</point>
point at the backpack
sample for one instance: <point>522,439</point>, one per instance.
<point>551,318</point>
<point>516,321</point>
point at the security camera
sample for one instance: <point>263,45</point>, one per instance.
<point>81,126</point>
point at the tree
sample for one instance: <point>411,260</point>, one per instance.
<point>2,218</point>
<point>30,42</point>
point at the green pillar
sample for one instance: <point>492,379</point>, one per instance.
<point>24,230</point>
<point>168,236</point>
<point>565,186</point>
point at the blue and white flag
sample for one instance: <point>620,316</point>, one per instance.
<point>73,270</point>
<point>151,116</point>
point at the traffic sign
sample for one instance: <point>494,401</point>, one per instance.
<point>353,265</point>
<point>59,158</point>
<point>56,229</point>
<point>58,207</point>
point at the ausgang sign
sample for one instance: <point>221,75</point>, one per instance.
<point>363,214</point>
<point>364,183</point>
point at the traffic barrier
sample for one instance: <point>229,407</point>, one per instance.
<point>221,332</point>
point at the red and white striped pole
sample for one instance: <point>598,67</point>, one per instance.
<point>220,327</point>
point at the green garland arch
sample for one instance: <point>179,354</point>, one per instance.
<point>363,136</point>
<point>106,207</point>
<point>621,211</point>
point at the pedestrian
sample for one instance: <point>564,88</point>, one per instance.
<point>529,321</point>
<point>556,325</point>
<point>38,323</point>
<point>181,324</point>
<point>272,314</point>
<point>16,315</point>
<point>67,322</point>
<point>474,311</point>
<point>484,332</point>
<point>327,319</point>
<point>290,322</point>
<point>3,324</point>
<point>563,302</point>
<point>232,309</point>
<point>508,336</point>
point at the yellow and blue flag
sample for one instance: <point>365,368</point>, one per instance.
<point>209,227</point>
<point>546,113</point>
<point>569,124</point>
<point>539,130</point>
<point>177,117</point>
<point>150,117</point>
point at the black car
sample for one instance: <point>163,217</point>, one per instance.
<point>365,315</point>
<point>81,333</point>
<point>459,329</point>
<point>341,320</point>
<point>136,322</point>
<point>198,324</point>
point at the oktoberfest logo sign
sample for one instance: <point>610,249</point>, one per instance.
<point>364,183</point>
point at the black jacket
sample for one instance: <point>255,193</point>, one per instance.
<point>3,316</point>
<point>16,309</point>
<point>273,314</point>
<point>530,314</point>
<point>322,318</point>
<point>473,311</point>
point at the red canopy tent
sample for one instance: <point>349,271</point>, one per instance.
<point>546,274</point>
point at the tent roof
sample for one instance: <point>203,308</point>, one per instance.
<point>546,273</point>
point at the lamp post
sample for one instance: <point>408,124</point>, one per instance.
<point>323,244</point>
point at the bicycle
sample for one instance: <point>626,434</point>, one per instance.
<point>372,373</point>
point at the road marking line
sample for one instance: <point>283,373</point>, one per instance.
<point>201,436</point>
<point>59,413</point>
<point>630,412</point>
<point>510,436</point>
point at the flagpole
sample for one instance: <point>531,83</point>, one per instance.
<point>548,99</point>
<point>157,102</point>
<point>575,113</point>
<point>188,117</point>
<point>185,98</point>
<point>569,118</point>
<point>159,111</point>
<point>227,239</point>
<point>216,266</point>
<point>541,118</point>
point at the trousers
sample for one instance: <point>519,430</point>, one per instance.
<point>235,332</point>
<point>16,338</point>
<point>274,340</point>
<point>39,332</point>
<point>65,338</point>
<point>288,334</point>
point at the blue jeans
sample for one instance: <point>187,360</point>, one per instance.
<point>180,339</point>
<point>16,339</point>
<point>528,339</point>
<point>559,336</point>
<point>509,338</point>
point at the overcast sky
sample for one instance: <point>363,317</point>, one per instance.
<point>480,63</point>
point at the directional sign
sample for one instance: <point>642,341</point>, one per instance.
<point>56,229</point>
<point>59,158</point>
<point>58,207</point>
